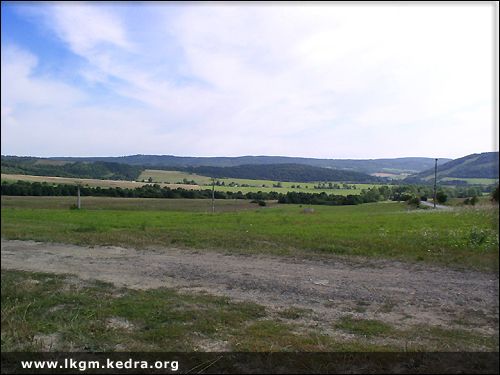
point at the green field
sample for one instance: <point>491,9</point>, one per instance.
<point>85,181</point>
<point>462,237</point>
<point>48,312</point>
<point>172,177</point>
<point>143,204</point>
<point>473,181</point>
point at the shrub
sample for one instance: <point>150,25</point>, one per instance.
<point>441,197</point>
<point>494,195</point>
<point>415,201</point>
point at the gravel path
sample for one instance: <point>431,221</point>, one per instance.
<point>391,291</point>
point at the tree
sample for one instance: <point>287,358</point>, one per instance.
<point>415,201</point>
<point>494,195</point>
<point>441,197</point>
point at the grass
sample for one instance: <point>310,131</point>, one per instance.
<point>462,237</point>
<point>365,327</point>
<point>254,185</point>
<point>130,204</point>
<point>420,337</point>
<point>172,177</point>
<point>45,312</point>
<point>473,181</point>
<point>293,313</point>
<point>84,181</point>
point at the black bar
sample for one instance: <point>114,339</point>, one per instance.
<point>265,363</point>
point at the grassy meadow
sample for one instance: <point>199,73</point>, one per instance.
<point>48,312</point>
<point>172,177</point>
<point>465,237</point>
<point>473,181</point>
<point>142,204</point>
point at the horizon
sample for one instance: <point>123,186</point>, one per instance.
<point>239,156</point>
<point>105,78</point>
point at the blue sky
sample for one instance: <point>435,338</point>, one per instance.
<point>323,80</point>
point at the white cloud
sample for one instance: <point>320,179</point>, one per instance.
<point>19,87</point>
<point>85,27</point>
<point>324,80</point>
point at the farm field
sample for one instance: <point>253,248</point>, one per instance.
<point>143,204</point>
<point>255,185</point>
<point>84,181</point>
<point>473,181</point>
<point>460,237</point>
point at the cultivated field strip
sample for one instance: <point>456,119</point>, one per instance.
<point>88,181</point>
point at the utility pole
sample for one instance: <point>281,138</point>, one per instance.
<point>213,195</point>
<point>435,180</point>
<point>78,196</point>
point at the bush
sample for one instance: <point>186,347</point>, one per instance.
<point>415,201</point>
<point>260,202</point>
<point>441,197</point>
<point>494,195</point>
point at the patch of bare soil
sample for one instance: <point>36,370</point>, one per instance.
<point>398,293</point>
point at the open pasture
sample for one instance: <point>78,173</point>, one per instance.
<point>129,204</point>
<point>246,185</point>
<point>473,181</point>
<point>460,237</point>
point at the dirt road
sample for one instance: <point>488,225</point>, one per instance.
<point>391,291</point>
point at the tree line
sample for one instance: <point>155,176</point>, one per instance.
<point>374,194</point>
<point>282,172</point>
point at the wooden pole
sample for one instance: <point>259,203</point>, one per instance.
<point>435,180</point>
<point>78,197</point>
<point>213,195</point>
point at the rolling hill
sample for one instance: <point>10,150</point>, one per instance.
<point>484,165</point>
<point>120,171</point>
<point>397,165</point>
<point>48,167</point>
<point>284,172</point>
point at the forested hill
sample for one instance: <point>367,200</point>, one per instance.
<point>484,165</point>
<point>118,171</point>
<point>44,167</point>
<point>283,172</point>
<point>396,165</point>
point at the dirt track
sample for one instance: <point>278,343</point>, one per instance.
<point>386,290</point>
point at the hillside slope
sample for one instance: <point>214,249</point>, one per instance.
<point>396,165</point>
<point>484,165</point>
<point>44,167</point>
<point>284,172</point>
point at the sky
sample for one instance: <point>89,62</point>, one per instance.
<point>323,80</point>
